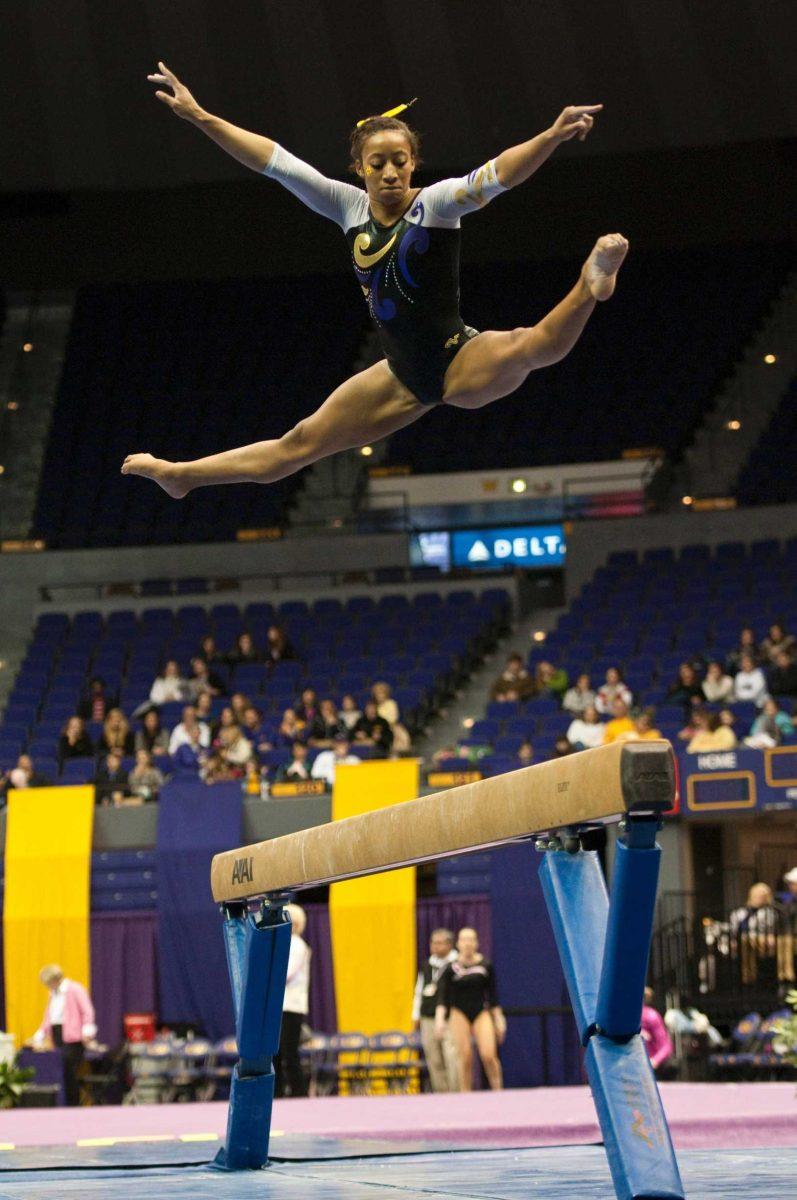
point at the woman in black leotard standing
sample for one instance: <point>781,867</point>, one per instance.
<point>404,243</point>
<point>466,995</point>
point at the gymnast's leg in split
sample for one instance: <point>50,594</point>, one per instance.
<point>374,403</point>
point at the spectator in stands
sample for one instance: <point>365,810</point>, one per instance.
<point>644,730</point>
<point>440,1054</point>
<point>235,748</point>
<point>349,712</point>
<point>74,742</point>
<point>326,726</point>
<point>23,775</point>
<point>388,708</point>
<point>586,731</point>
<point>515,677</point>
<point>783,676</point>
<point>562,747</point>
<point>210,651</point>
<point>687,688</point>
<point>218,770</point>
<point>654,1033</point>
<point>291,729</point>
<point>579,698</point>
<point>747,645</point>
<point>307,709</point>
<point>110,781</point>
<point>717,687</point>
<point>709,733</point>
<point>550,680</point>
<point>771,727</point>
<point>297,768</point>
<point>116,734</point>
<point>202,679</point>
<point>727,719</point>
<point>145,780</point>
<point>204,708</point>
<point>369,723</point>
<point>252,723</point>
<point>239,704</point>
<point>327,761</point>
<point>278,646</point>
<point>245,651</point>
<point>170,686</point>
<point>776,642</point>
<point>190,755</point>
<point>620,723</point>
<point>152,736</point>
<point>295,1007</point>
<point>612,689</point>
<point>510,696</point>
<point>750,683</point>
<point>184,732</point>
<point>96,703</point>
<point>525,753</point>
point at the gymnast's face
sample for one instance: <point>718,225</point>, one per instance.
<point>386,166</point>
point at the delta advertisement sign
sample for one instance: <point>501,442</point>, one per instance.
<point>515,546</point>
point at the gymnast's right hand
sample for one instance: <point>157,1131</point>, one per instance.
<point>182,103</point>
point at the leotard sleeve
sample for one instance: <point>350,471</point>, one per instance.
<point>450,199</point>
<point>342,203</point>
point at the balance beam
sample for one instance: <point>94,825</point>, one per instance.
<point>587,788</point>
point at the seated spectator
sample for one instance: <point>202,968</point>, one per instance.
<point>387,708</point>
<point>562,747</point>
<point>277,645</point>
<point>245,651</point>
<point>145,780</point>
<point>771,727</point>
<point>349,712</point>
<point>226,720</point>
<point>170,685</point>
<point>717,686</point>
<point>525,753</point>
<point>252,723</point>
<point>777,642</point>
<point>190,756</point>
<point>74,742</point>
<point>510,696</point>
<point>184,732</point>
<point>783,676</point>
<point>202,679</point>
<point>110,781</point>
<point>612,689</point>
<point>327,725</point>
<point>239,704</point>
<point>368,723</point>
<point>515,677</point>
<point>307,709</point>
<point>586,731</point>
<point>23,775</point>
<point>747,645</point>
<point>96,702</point>
<point>708,733</point>
<point>297,768</point>
<point>204,708</point>
<point>152,736</point>
<point>727,718</point>
<point>620,723</point>
<point>210,651</point>
<point>643,731</point>
<point>291,728</point>
<point>750,683</point>
<point>116,734</point>
<point>235,748</point>
<point>654,1033</point>
<point>218,770</point>
<point>687,688</point>
<point>328,760</point>
<point>550,680</point>
<point>579,698</point>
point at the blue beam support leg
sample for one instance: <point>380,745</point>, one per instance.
<point>604,946</point>
<point>257,947</point>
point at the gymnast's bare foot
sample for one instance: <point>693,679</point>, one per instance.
<point>600,269</point>
<point>164,473</point>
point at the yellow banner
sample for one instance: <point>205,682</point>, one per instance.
<point>372,920</point>
<point>46,914</point>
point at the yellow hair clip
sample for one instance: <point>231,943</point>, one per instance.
<point>391,112</point>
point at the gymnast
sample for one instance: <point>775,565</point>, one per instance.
<point>404,242</point>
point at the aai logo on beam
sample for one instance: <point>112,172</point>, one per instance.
<point>521,546</point>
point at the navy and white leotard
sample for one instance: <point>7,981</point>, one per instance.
<point>409,271</point>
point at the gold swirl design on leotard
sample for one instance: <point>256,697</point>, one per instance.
<point>475,191</point>
<point>361,243</point>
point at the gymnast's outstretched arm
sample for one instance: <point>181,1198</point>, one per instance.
<point>517,164</point>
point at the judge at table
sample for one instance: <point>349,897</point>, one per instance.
<point>68,1024</point>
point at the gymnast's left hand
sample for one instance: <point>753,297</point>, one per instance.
<point>575,121</point>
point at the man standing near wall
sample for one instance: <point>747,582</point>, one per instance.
<point>440,1053</point>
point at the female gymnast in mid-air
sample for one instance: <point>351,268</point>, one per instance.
<point>404,242</point>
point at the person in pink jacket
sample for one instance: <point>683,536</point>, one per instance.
<point>68,1024</point>
<point>654,1033</point>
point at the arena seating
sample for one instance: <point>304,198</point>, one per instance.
<point>769,476</point>
<point>185,370</point>
<point>416,645</point>
<point>637,378</point>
